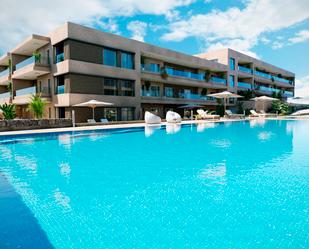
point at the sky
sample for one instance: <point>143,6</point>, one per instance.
<point>276,31</point>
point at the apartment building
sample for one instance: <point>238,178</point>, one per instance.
<point>247,73</point>
<point>74,64</point>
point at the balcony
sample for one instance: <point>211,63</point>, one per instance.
<point>245,85</point>
<point>59,57</point>
<point>245,69</point>
<point>22,96</point>
<point>154,68</point>
<point>218,80</point>
<point>262,74</point>
<point>282,80</point>
<point>268,89</point>
<point>31,68</point>
<point>288,94</point>
<point>150,93</point>
<point>4,77</point>
<point>179,73</point>
<point>4,97</point>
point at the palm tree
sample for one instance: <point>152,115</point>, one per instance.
<point>8,111</point>
<point>37,106</point>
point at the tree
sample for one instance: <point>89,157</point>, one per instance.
<point>8,111</point>
<point>281,107</point>
<point>37,106</point>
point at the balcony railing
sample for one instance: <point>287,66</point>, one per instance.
<point>265,75</point>
<point>4,73</point>
<point>5,95</point>
<point>155,68</point>
<point>195,96</point>
<point>59,57</point>
<point>244,85</point>
<point>282,80</point>
<point>179,73</point>
<point>268,89</point>
<point>218,80</point>
<point>60,89</point>
<point>245,69</point>
<point>150,93</point>
<point>32,60</point>
<point>26,91</point>
<point>288,94</point>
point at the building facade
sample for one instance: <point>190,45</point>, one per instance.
<point>74,64</point>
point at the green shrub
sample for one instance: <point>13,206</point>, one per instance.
<point>8,111</point>
<point>36,106</point>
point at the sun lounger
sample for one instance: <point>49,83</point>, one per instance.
<point>204,115</point>
<point>150,118</point>
<point>91,121</point>
<point>172,117</point>
<point>255,114</point>
<point>230,114</point>
<point>104,120</point>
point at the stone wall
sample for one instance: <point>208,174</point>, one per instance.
<point>29,124</point>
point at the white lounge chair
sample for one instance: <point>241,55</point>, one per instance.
<point>301,112</point>
<point>268,114</point>
<point>204,114</point>
<point>150,118</point>
<point>230,114</point>
<point>255,114</point>
<point>172,117</point>
<point>91,121</point>
<point>104,120</point>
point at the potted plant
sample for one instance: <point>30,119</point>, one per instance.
<point>37,56</point>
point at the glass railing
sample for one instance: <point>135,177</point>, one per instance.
<point>195,96</point>
<point>60,89</point>
<point>218,80</point>
<point>268,89</point>
<point>282,80</point>
<point>32,60</point>
<point>244,85</point>
<point>265,75</point>
<point>288,94</point>
<point>4,95</point>
<point>155,68</point>
<point>150,93</point>
<point>245,69</point>
<point>59,57</point>
<point>4,73</point>
<point>26,91</point>
<point>179,73</point>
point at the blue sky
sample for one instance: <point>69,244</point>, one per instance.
<point>276,31</point>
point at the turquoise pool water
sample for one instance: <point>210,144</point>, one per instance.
<point>232,185</point>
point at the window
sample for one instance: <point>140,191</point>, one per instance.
<point>232,63</point>
<point>109,57</point>
<point>127,88</point>
<point>60,88</point>
<point>48,86</point>
<point>127,113</point>
<point>110,87</point>
<point>232,80</point>
<point>61,112</point>
<point>169,92</point>
<point>127,60</point>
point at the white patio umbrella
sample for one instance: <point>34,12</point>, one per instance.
<point>224,95</point>
<point>264,99</point>
<point>93,104</point>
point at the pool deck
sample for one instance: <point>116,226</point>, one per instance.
<point>134,125</point>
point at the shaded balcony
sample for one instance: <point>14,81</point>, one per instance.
<point>31,68</point>
<point>4,76</point>
<point>245,69</point>
<point>245,85</point>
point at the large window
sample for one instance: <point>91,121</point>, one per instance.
<point>110,87</point>
<point>232,80</point>
<point>127,60</point>
<point>109,57</point>
<point>127,113</point>
<point>127,88</point>
<point>60,88</point>
<point>117,58</point>
<point>232,63</point>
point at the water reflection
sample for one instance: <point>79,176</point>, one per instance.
<point>214,173</point>
<point>65,169</point>
<point>150,129</point>
<point>62,199</point>
<point>203,126</point>
<point>172,128</point>
<point>27,163</point>
<point>221,143</point>
<point>257,122</point>
<point>265,135</point>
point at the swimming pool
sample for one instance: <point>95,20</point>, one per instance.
<point>212,185</point>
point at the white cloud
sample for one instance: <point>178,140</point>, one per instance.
<point>302,87</point>
<point>277,45</point>
<point>20,19</point>
<point>138,30</point>
<point>241,27</point>
<point>301,36</point>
